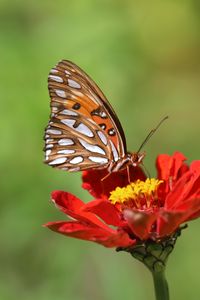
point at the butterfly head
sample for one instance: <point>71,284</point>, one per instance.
<point>136,158</point>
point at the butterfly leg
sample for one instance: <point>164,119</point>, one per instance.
<point>102,179</point>
<point>128,173</point>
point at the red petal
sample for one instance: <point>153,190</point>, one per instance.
<point>191,208</point>
<point>90,233</point>
<point>195,215</point>
<point>100,186</point>
<point>171,166</point>
<point>140,222</point>
<point>195,184</point>
<point>106,211</point>
<point>178,192</point>
<point>66,201</point>
<point>169,221</point>
<point>195,166</point>
<point>187,187</point>
<point>72,206</point>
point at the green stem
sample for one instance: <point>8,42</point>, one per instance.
<point>160,285</point>
<point>154,255</point>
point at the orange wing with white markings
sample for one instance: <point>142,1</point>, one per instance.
<point>84,131</point>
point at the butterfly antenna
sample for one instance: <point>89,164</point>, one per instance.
<point>151,133</point>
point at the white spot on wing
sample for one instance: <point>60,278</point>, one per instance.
<point>48,152</point>
<point>54,109</point>
<point>74,169</point>
<point>102,137</point>
<point>58,161</point>
<point>60,93</point>
<point>92,148</point>
<point>74,84</point>
<point>68,122</point>
<point>100,160</point>
<point>69,112</point>
<point>67,72</point>
<point>49,146</point>
<point>114,151</point>
<point>84,130</point>
<point>65,142</point>
<point>54,131</point>
<point>66,151</point>
<point>54,71</point>
<point>56,78</point>
<point>76,160</point>
<point>103,114</point>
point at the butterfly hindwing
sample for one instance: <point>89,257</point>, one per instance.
<point>74,143</point>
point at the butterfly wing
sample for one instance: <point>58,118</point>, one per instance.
<point>75,143</point>
<point>84,131</point>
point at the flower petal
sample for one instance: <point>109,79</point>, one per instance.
<point>195,188</point>
<point>178,193</point>
<point>72,206</point>
<point>106,211</point>
<point>196,214</point>
<point>169,221</point>
<point>66,202</point>
<point>195,166</point>
<point>100,183</point>
<point>187,187</point>
<point>171,166</point>
<point>140,222</point>
<point>91,233</point>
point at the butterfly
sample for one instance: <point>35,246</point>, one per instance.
<point>84,131</point>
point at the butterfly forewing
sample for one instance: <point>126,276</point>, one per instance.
<point>83,132</point>
<point>73,87</point>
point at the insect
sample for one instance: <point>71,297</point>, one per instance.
<point>84,132</point>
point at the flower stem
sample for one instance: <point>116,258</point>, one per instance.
<point>154,255</point>
<point>160,285</point>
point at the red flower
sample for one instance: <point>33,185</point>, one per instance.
<point>122,214</point>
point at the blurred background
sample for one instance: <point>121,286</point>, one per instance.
<point>145,57</point>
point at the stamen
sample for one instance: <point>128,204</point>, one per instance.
<point>139,194</point>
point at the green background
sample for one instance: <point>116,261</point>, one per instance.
<point>145,57</point>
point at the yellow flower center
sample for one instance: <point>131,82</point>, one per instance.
<point>139,194</point>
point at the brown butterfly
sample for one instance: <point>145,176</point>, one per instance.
<point>84,132</point>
